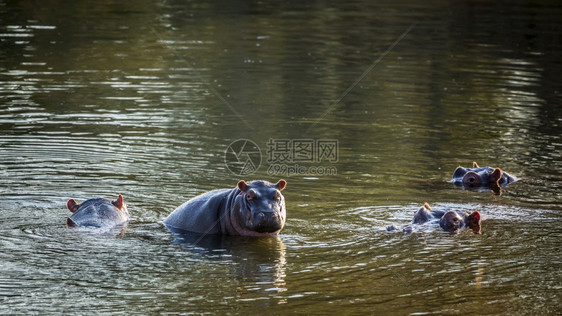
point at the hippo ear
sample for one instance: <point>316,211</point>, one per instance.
<point>496,189</point>
<point>475,165</point>
<point>281,184</point>
<point>496,175</point>
<point>474,216</point>
<point>69,222</point>
<point>119,202</point>
<point>72,205</point>
<point>242,185</point>
<point>473,222</point>
<point>426,205</point>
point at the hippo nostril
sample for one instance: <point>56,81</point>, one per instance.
<point>471,179</point>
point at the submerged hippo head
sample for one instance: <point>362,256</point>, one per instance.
<point>261,206</point>
<point>97,212</point>
<point>452,221</point>
<point>482,177</point>
<point>422,215</point>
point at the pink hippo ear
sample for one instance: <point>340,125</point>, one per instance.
<point>72,205</point>
<point>496,175</point>
<point>119,202</point>
<point>426,205</point>
<point>475,165</point>
<point>242,185</point>
<point>474,216</point>
<point>473,222</point>
<point>281,184</point>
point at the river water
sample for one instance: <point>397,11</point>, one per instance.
<point>148,98</point>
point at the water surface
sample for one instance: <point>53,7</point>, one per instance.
<point>143,98</point>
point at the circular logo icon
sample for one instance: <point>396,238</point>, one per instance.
<point>242,157</point>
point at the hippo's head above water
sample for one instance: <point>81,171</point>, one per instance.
<point>453,221</point>
<point>450,220</point>
<point>482,177</point>
<point>261,206</point>
<point>97,212</point>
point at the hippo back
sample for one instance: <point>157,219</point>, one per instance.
<point>202,213</point>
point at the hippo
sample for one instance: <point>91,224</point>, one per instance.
<point>449,220</point>
<point>482,178</point>
<point>453,221</point>
<point>97,213</point>
<point>256,208</point>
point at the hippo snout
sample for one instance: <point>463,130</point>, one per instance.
<point>471,179</point>
<point>451,221</point>
<point>267,222</point>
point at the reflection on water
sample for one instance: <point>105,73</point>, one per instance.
<point>257,263</point>
<point>143,98</point>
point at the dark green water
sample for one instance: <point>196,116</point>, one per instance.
<point>143,98</point>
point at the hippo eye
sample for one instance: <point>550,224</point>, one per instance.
<point>251,195</point>
<point>278,196</point>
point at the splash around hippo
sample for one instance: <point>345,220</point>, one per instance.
<point>482,178</point>
<point>97,212</point>
<point>256,208</point>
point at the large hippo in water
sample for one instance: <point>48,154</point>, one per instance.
<point>256,208</point>
<point>449,220</point>
<point>97,212</point>
<point>486,178</point>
